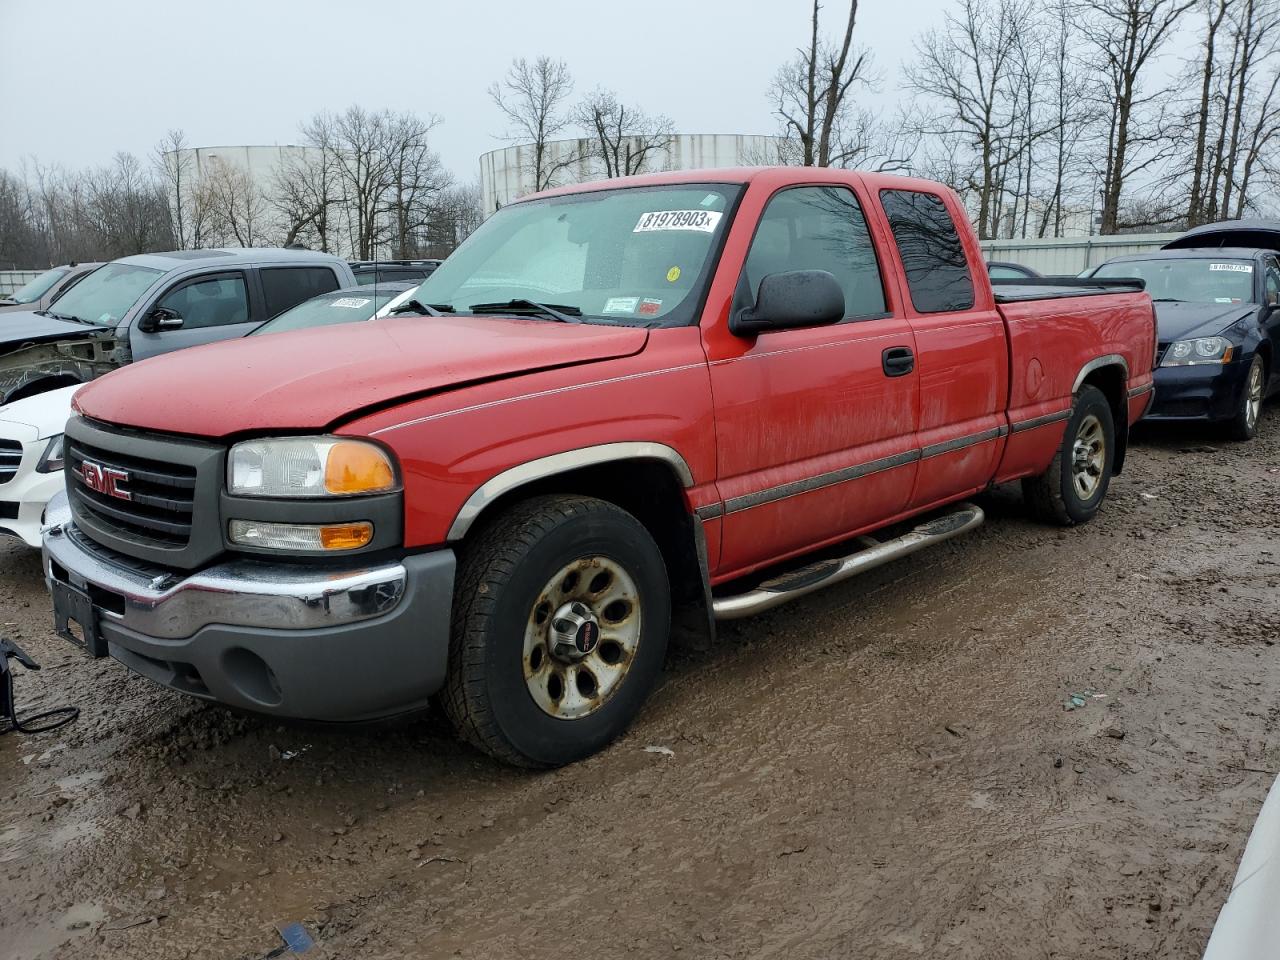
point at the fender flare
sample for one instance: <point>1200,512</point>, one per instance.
<point>564,462</point>
<point>1097,363</point>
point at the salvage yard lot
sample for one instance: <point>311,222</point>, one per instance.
<point>896,747</point>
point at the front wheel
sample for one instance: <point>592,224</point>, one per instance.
<point>560,625</point>
<point>1074,486</point>
<point>1244,425</point>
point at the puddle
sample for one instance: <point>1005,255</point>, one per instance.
<point>78,780</point>
<point>77,922</point>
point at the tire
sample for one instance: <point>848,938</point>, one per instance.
<point>515,630</point>
<point>1244,425</point>
<point>1057,496</point>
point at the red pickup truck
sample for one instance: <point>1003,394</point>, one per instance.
<point>615,398</point>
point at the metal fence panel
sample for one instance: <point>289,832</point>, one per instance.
<point>1068,256</point>
<point>11,280</point>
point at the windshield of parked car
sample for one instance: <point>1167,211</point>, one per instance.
<point>341,306</point>
<point>105,295</point>
<point>1192,279</point>
<point>637,256</point>
<point>38,287</point>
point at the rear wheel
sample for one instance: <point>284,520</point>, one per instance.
<point>560,627</point>
<point>1244,425</point>
<point>1074,486</point>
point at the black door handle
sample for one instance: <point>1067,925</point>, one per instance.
<point>898,361</point>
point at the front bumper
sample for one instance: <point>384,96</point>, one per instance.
<point>23,498</point>
<point>359,642</point>
<point>1200,392</point>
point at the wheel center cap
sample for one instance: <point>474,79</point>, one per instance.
<point>575,632</point>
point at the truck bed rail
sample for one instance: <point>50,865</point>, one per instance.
<point>1053,288</point>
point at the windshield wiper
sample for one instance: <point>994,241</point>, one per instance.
<point>67,316</point>
<point>427,309</point>
<point>1167,300</point>
<point>556,311</point>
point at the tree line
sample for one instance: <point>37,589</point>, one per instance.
<point>1048,118</point>
<point>361,184</point>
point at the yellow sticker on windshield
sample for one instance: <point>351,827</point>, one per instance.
<point>673,275</point>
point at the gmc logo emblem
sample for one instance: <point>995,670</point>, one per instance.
<point>104,480</point>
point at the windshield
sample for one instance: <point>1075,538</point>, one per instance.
<point>341,306</point>
<point>38,287</point>
<point>105,295</point>
<point>1196,280</point>
<point>637,256</point>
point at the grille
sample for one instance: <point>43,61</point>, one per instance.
<point>161,496</point>
<point>10,458</point>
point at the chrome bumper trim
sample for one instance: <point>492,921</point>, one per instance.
<point>248,593</point>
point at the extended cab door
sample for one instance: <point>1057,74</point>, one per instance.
<point>815,426</point>
<point>210,306</point>
<point>961,344</point>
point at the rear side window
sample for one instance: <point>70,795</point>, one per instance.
<point>819,228</point>
<point>929,246</point>
<point>285,287</point>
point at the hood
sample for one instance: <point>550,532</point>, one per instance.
<point>310,379</point>
<point>1178,321</point>
<point>45,412</point>
<point>19,328</point>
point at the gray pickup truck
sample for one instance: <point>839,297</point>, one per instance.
<point>154,303</point>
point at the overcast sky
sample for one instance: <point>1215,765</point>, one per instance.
<point>81,79</point>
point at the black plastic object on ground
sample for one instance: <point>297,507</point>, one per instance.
<point>52,719</point>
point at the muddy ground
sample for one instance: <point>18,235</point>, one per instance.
<point>886,769</point>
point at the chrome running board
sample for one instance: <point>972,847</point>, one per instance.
<point>806,580</point>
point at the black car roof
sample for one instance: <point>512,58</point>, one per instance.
<point>1193,253</point>
<point>1253,234</point>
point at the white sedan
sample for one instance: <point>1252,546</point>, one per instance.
<point>31,460</point>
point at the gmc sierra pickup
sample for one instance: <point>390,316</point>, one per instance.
<point>614,398</point>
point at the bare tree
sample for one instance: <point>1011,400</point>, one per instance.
<point>174,165</point>
<point>533,98</point>
<point>237,207</point>
<point>1128,36</point>
<point>968,71</point>
<point>305,194</point>
<point>456,212</point>
<point>416,179</point>
<point>625,139</point>
<point>811,96</point>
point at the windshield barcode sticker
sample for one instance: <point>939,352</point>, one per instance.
<point>701,221</point>
<point>355,303</point>
<point>1233,267</point>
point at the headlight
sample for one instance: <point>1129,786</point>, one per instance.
<point>309,467</point>
<point>51,461</point>
<point>1186,353</point>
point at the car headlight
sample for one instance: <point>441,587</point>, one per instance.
<point>309,467</point>
<point>1186,353</point>
<point>51,461</point>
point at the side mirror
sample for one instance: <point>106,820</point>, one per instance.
<point>161,318</point>
<point>797,298</point>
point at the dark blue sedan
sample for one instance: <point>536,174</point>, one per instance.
<point>1217,299</point>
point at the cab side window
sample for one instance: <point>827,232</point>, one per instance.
<point>819,228</point>
<point>285,287</point>
<point>929,245</point>
<point>215,302</point>
<point>1272,292</point>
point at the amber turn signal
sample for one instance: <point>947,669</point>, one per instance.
<point>345,536</point>
<point>355,467</point>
